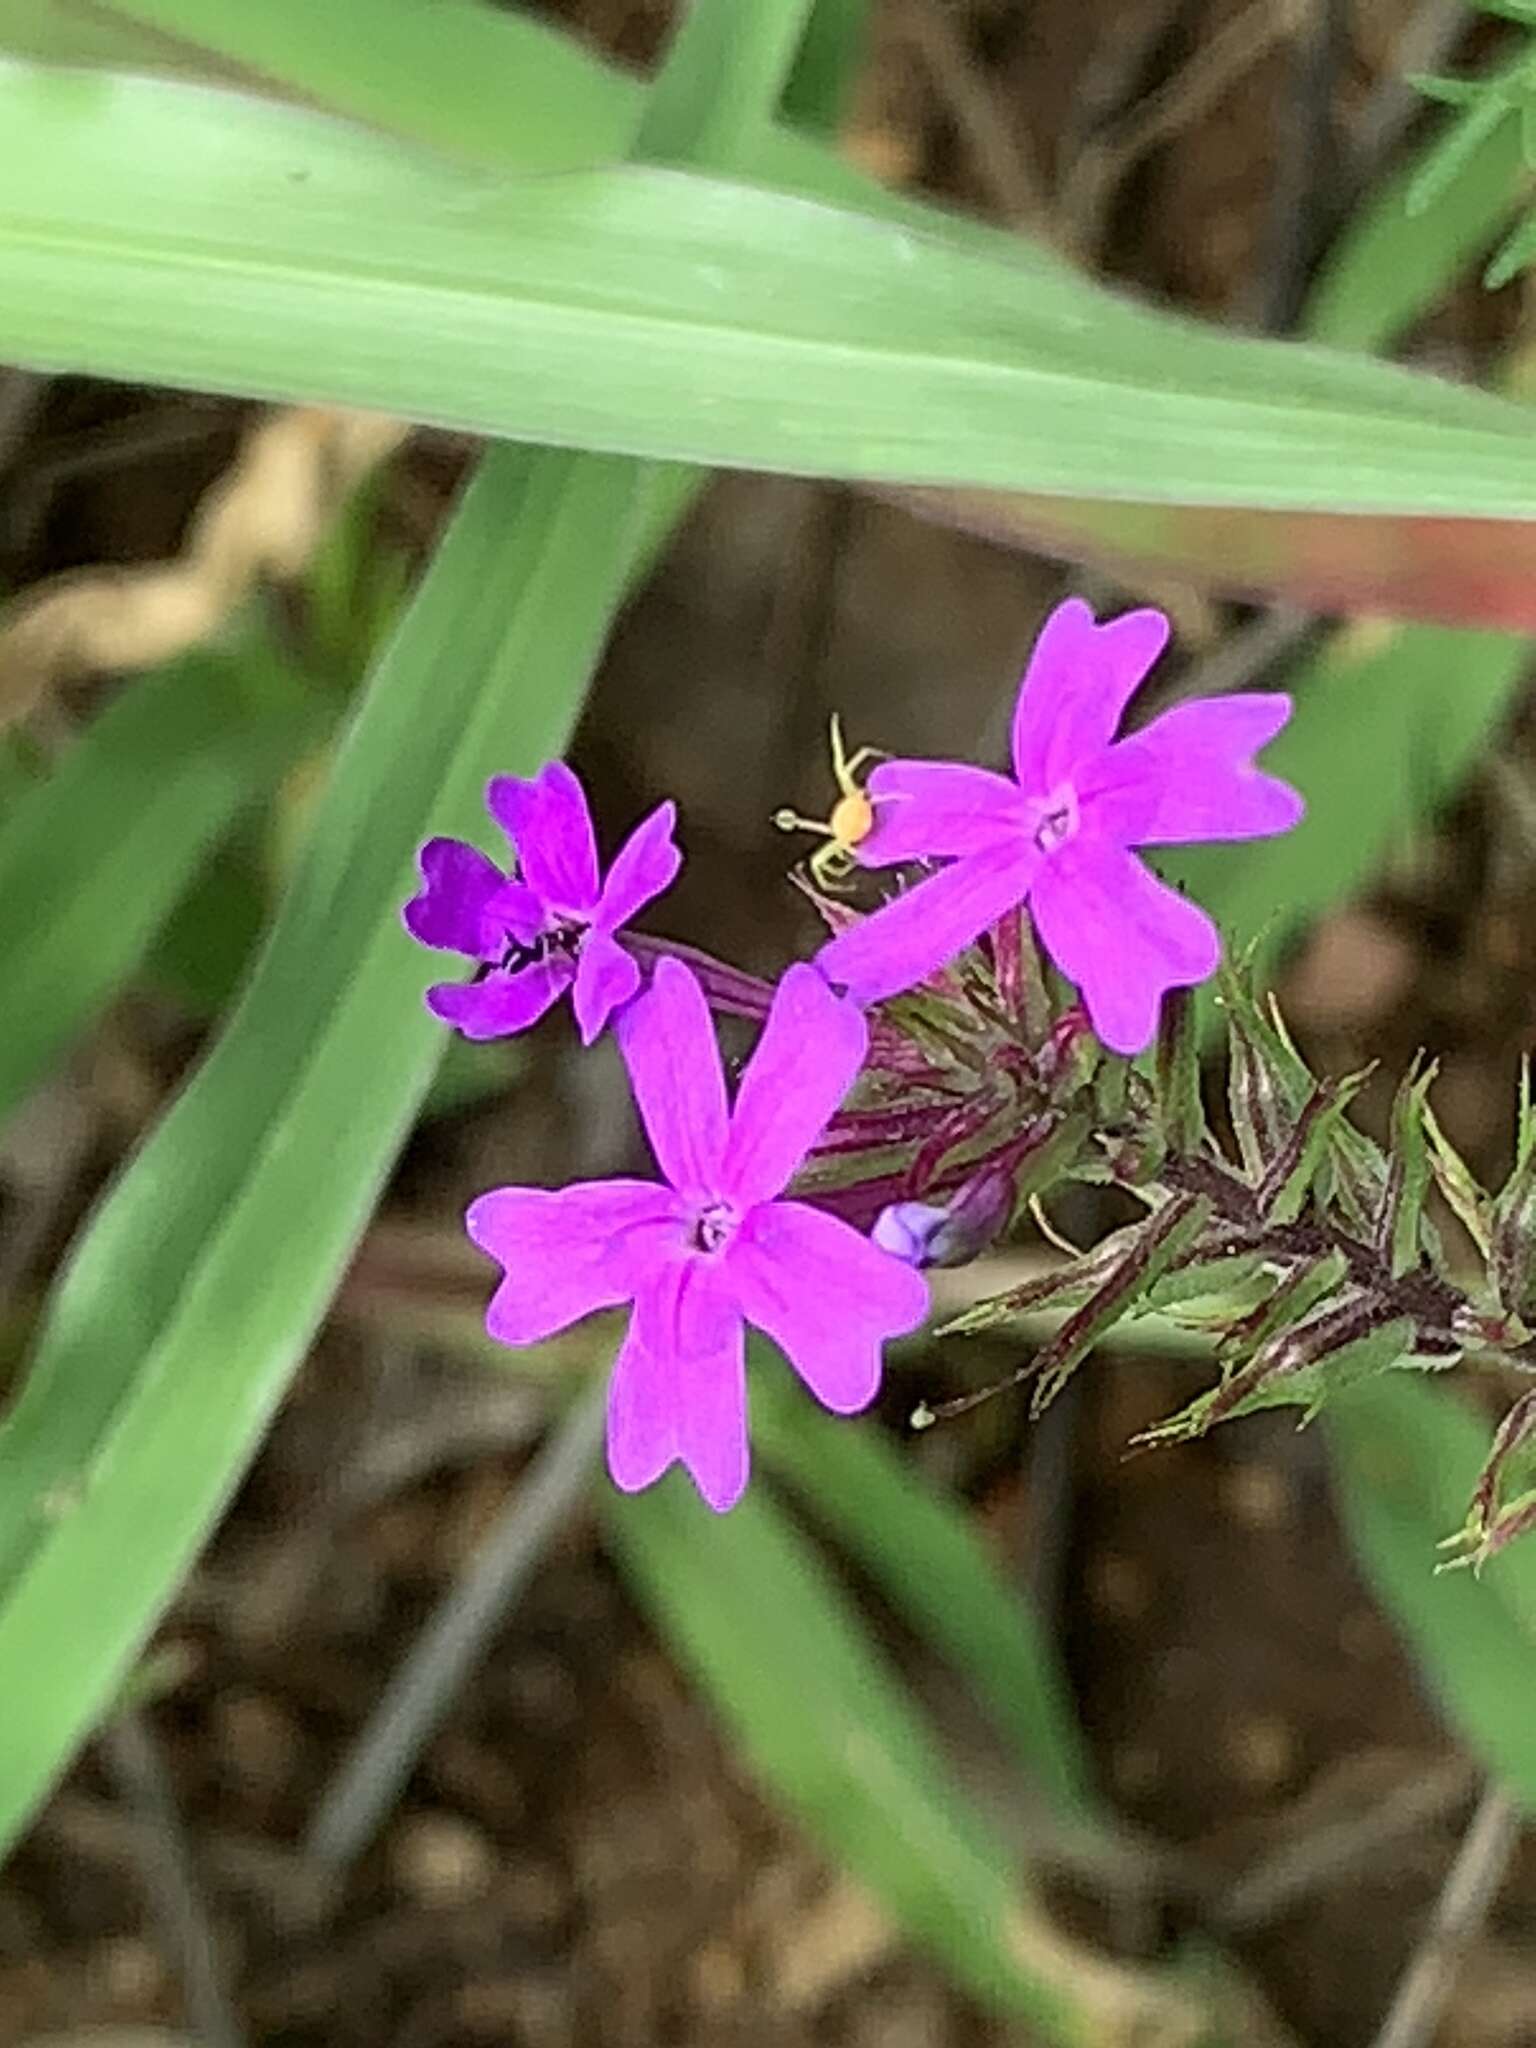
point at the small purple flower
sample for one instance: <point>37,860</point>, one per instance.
<point>713,1248</point>
<point>551,924</point>
<point>1059,833</point>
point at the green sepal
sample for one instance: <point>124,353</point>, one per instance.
<point>1181,1108</point>
<point>1155,1245</point>
<point>1287,1184</point>
<point>1307,1386</point>
<point>1295,1297</point>
<point>1398,1234</point>
<point>1464,1194</point>
<point>1512,1218</point>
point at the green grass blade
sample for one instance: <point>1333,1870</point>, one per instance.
<point>456,75</point>
<point>197,1287</point>
<point>823,1722</point>
<point>671,315</point>
<point>927,1561</point>
<point>94,859</point>
<point>497,88</point>
<point>194,1292</point>
<point>1390,266</point>
<point>820,89</point>
<point>1406,1455</point>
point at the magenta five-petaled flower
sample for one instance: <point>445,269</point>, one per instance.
<point>548,926</point>
<point>715,1246</point>
<point>1059,834</point>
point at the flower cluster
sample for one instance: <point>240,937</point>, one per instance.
<point>910,1129</point>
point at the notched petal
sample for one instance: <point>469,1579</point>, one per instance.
<point>646,864</point>
<point>1190,775</point>
<point>1122,936</point>
<point>1079,680</point>
<point>805,1061</point>
<point>459,888</point>
<point>826,1295</point>
<point>502,1004</point>
<point>550,825</point>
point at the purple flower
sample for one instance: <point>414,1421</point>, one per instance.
<point>1059,833</point>
<point>551,924</point>
<point>714,1246</point>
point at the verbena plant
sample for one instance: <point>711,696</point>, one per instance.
<point>455,215</point>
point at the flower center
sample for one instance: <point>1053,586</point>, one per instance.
<point>562,936</point>
<point>712,1227</point>
<point>1057,818</point>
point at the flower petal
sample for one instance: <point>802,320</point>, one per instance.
<point>550,824</point>
<point>1190,775</point>
<point>806,1059</point>
<point>825,1295</point>
<point>501,1004</point>
<point>1079,680</point>
<point>644,865</point>
<point>606,978</point>
<point>459,885</point>
<point>568,1251</point>
<point>922,929</point>
<point>668,1043</point>
<point>680,1384</point>
<point>925,809</point>
<point>1121,935</point>
<point>642,1416</point>
<point>517,912</point>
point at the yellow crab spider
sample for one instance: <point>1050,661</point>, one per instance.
<point>852,819</point>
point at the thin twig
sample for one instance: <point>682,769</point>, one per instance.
<point>1469,1891</point>
<point>1328,1854</point>
<point>1424,45</point>
<point>1303,199</point>
<point>170,1879</point>
<point>1000,159</point>
<point>425,1685</point>
<point>1216,66</point>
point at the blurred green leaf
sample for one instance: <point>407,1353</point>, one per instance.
<point>1390,265</point>
<point>94,858</point>
<point>672,315</point>
<point>199,1283</point>
<point>820,88</point>
<point>495,87</point>
<point>205,948</point>
<point>1418,704</point>
<point>195,1291</point>
<point>1406,1456</point>
<point>454,75</point>
<point>824,1721</point>
<point>925,1557</point>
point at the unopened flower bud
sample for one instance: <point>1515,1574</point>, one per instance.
<point>930,1234</point>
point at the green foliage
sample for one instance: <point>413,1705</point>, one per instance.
<point>96,856</point>
<point>1490,112</point>
<point>926,1560</point>
<point>673,315</point>
<point>197,1286</point>
<point>1406,1453</point>
<point>822,1718</point>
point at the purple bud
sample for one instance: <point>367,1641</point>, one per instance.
<point>925,1234</point>
<point>909,1230</point>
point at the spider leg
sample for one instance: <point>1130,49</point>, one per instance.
<point>791,821</point>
